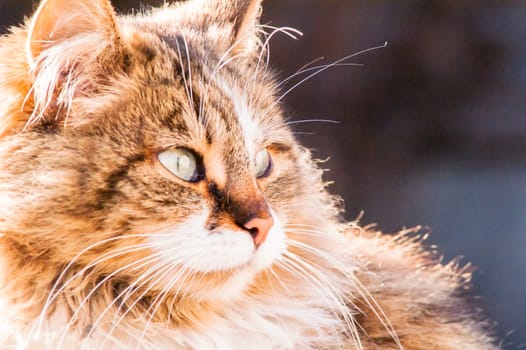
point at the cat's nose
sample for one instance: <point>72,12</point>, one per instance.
<point>259,227</point>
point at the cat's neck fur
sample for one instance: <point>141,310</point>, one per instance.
<point>271,314</point>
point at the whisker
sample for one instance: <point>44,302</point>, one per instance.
<point>329,121</point>
<point>341,60</point>
<point>305,232</point>
<point>306,70</point>
<point>143,261</point>
<point>265,48</point>
<point>185,80</point>
<point>108,256</point>
<point>139,282</point>
<point>335,292</point>
<point>308,64</point>
<point>224,60</point>
<point>303,133</point>
<point>189,68</point>
<point>283,285</point>
<point>377,310</point>
<point>337,264</point>
<point>332,298</point>
<point>358,286</point>
<point>160,269</point>
<point>185,270</point>
<point>291,32</point>
<point>53,295</point>
<point>156,304</point>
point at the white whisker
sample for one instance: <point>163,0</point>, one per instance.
<point>160,269</point>
<point>358,286</point>
<point>143,262</point>
<point>317,68</point>
<point>341,60</point>
<point>313,121</point>
<point>156,303</point>
<point>53,294</point>
<point>335,293</point>
<point>265,48</point>
<point>186,80</point>
<point>331,295</point>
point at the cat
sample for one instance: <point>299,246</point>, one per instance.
<point>152,196</point>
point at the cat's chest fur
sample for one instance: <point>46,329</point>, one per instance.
<point>270,322</point>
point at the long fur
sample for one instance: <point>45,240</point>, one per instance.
<point>103,247</point>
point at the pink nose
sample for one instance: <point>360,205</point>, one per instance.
<point>259,228</point>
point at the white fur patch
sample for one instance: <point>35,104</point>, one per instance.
<point>191,244</point>
<point>246,116</point>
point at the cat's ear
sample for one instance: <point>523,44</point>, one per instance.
<point>57,21</point>
<point>242,19</point>
<point>245,19</point>
<point>72,47</point>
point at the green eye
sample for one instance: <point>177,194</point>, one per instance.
<point>263,163</point>
<point>180,162</point>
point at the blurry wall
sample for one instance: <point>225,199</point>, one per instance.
<point>431,128</point>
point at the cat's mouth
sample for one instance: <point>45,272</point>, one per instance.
<point>222,249</point>
<point>218,264</point>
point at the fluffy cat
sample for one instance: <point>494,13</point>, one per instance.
<point>153,197</point>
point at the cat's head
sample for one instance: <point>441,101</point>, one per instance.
<point>151,150</point>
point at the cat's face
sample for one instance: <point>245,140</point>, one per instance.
<point>156,152</point>
<point>218,164</point>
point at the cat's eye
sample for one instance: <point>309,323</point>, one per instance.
<point>263,163</point>
<point>180,162</point>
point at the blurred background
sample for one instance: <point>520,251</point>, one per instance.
<point>431,129</point>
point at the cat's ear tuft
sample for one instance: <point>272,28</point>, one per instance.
<point>56,21</point>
